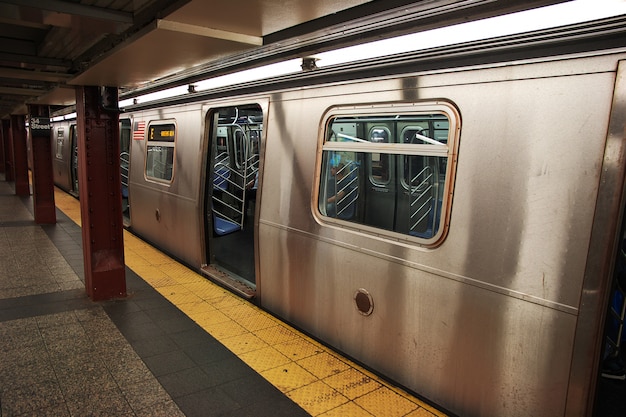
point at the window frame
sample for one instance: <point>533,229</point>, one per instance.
<point>448,151</point>
<point>372,177</point>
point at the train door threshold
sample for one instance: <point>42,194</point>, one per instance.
<point>230,281</point>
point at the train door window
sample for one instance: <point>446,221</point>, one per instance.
<point>59,144</point>
<point>378,162</point>
<point>160,151</point>
<point>391,165</point>
<point>239,143</point>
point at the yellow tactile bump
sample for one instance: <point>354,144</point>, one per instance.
<point>323,365</point>
<point>288,377</point>
<point>317,398</point>
<point>263,359</point>
<point>244,343</point>
<point>347,410</point>
<point>352,383</point>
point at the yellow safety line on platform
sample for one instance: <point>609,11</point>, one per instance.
<point>313,376</point>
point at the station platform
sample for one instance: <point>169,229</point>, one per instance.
<point>177,345</point>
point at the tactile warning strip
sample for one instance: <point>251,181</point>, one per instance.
<point>316,378</point>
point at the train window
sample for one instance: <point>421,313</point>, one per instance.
<point>160,151</point>
<point>60,142</point>
<point>239,143</point>
<point>379,163</point>
<point>389,170</point>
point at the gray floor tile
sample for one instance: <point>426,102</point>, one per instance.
<point>63,355</point>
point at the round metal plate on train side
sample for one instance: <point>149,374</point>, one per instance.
<point>364,302</point>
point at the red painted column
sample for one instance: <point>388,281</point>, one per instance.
<point>8,151</point>
<point>100,191</point>
<point>20,154</point>
<point>41,151</point>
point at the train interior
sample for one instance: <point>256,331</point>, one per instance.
<point>73,162</point>
<point>611,389</point>
<point>235,140</point>
<point>396,192</point>
<point>125,135</point>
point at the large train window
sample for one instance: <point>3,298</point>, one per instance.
<point>160,151</point>
<point>389,170</point>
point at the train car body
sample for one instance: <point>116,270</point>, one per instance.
<point>471,260</point>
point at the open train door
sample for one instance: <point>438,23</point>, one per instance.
<point>74,160</point>
<point>232,179</point>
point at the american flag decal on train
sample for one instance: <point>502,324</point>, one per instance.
<point>139,129</point>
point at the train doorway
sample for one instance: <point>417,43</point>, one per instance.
<point>74,160</point>
<point>611,387</point>
<point>231,187</point>
<point>125,134</point>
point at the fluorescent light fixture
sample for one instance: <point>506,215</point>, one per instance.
<point>535,19</point>
<point>255,74</point>
<point>526,21</point>
<point>64,117</point>
<point>170,92</point>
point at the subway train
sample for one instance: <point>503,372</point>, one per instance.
<point>449,218</point>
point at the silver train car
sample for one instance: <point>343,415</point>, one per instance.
<point>452,219</point>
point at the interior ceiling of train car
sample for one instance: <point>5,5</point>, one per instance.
<point>47,47</point>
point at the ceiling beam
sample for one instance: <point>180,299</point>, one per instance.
<point>15,46</point>
<point>77,9</point>
<point>31,60</point>
<point>208,32</point>
<point>23,74</point>
<point>21,91</point>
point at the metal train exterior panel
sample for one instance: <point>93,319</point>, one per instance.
<point>167,212</point>
<point>488,302</point>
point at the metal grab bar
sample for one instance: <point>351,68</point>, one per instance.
<point>421,200</point>
<point>350,188</point>
<point>124,164</point>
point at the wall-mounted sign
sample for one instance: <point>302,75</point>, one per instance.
<point>40,126</point>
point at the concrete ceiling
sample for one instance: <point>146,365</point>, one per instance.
<point>47,47</point>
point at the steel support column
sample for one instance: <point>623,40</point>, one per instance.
<point>100,191</point>
<point>41,151</point>
<point>20,154</point>
<point>9,174</point>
